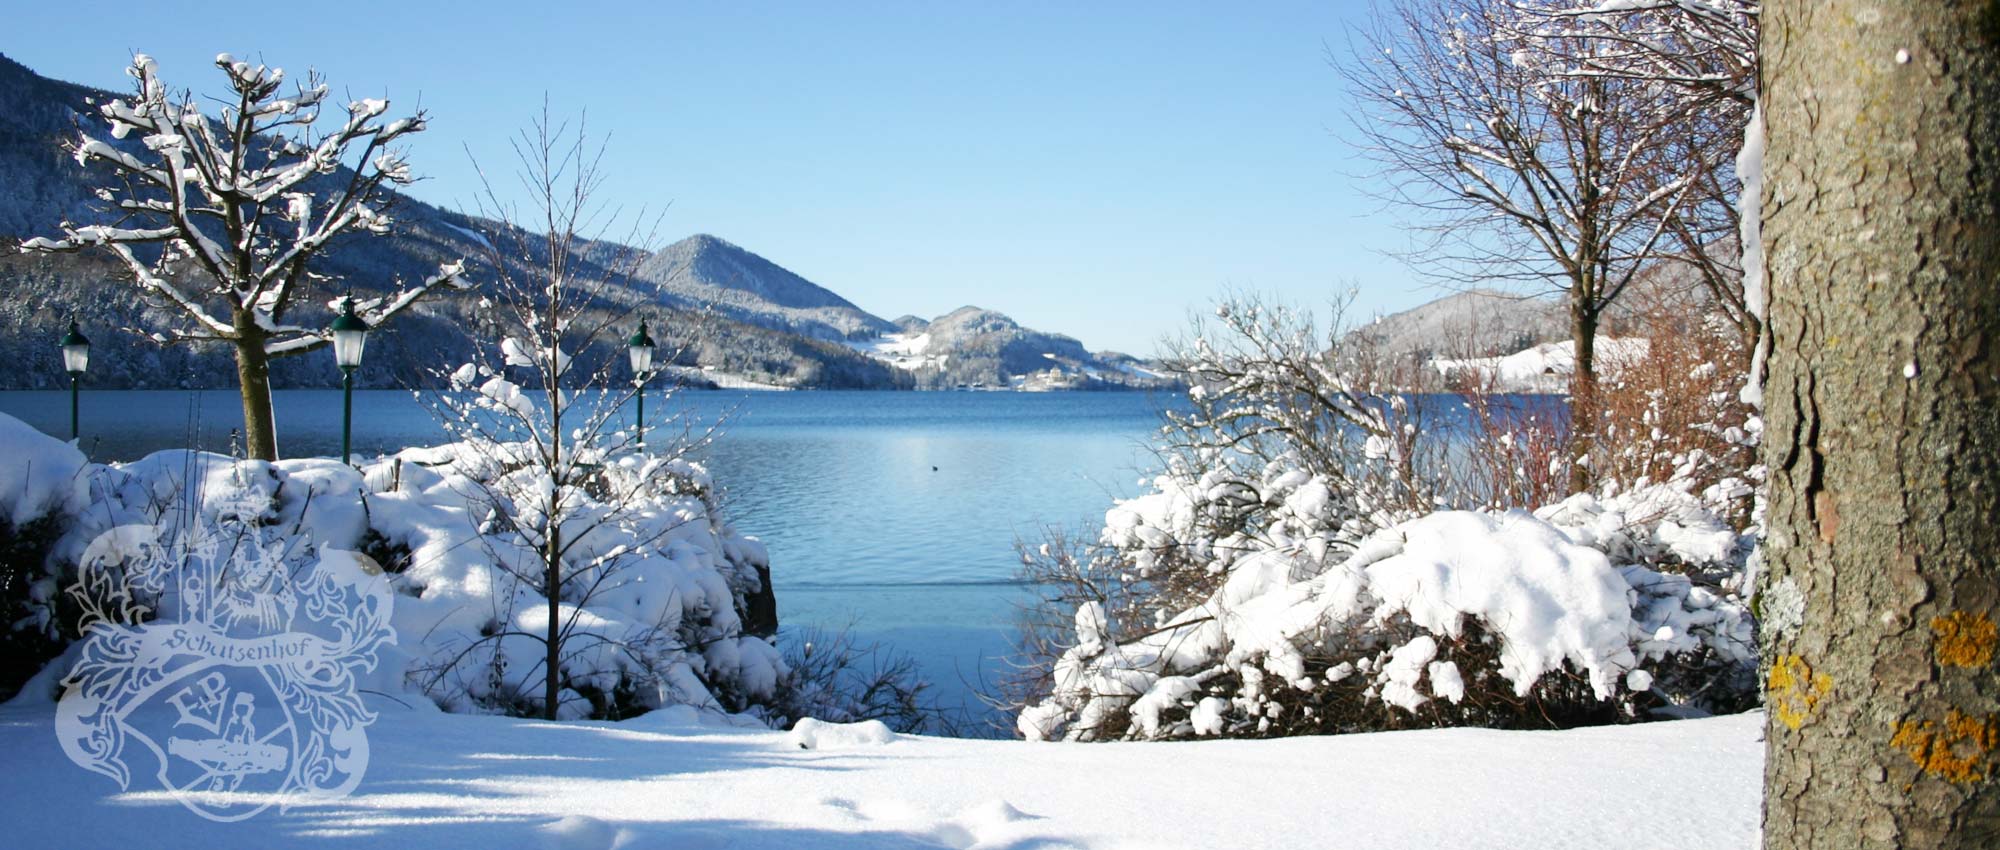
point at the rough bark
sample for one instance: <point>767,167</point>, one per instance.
<point>1882,228</point>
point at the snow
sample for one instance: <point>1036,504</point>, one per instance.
<point>37,474</point>
<point>811,734</point>
<point>1596,586</point>
<point>902,350</point>
<point>1549,599</point>
<point>444,782</point>
<point>1547,367</point>
<point>1750,212</point>
<point>474,235</point>
<point>663,621</point>
<point>1405,668</point>
<point>720,378</point>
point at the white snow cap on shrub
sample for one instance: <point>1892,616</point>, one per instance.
<point>1543,593</point>
<point>1548,599</point>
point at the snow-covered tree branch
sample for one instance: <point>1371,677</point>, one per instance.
<point>220,217</point>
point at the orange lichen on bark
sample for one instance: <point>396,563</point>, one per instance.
<point>1795,690</point>
<point>1956,752</point>
<point>1964,639</point>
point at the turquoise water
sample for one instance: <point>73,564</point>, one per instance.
<point>894,514</point>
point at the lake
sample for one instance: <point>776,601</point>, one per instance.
<point>894,514</point>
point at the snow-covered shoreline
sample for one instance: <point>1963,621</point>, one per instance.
<point>441,781</point>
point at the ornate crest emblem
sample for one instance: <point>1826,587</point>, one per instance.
<point>223,659</point>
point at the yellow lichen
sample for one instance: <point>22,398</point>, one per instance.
<point>1965,639</point>
<point>1956,752</point>
<point>1795,690</point>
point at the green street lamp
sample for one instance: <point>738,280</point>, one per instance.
<point>76,358</point>
<point>640,347</point>
<point>350,335</point>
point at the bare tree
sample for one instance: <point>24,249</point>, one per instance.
<point>1883,437</point>
<point>1701,57</point>
<point>1518,174</point>
<point>1706,48</point>
<point>565,489</point>
<point>1274,399</point>
<point>245,202</point>
<point>1267,383</point>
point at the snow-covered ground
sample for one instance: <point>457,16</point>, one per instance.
<point>664,781</point>
<point>1545,368</point>
<point>722,379</point>
<point>902,350</point>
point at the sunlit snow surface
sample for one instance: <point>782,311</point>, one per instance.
<point>902,350</point>
<point>437,782</point>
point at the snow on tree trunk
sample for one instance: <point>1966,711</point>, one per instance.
<point>1882,230</point>
<point>1756,293</point>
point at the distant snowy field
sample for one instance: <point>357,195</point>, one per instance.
<point>438,782</point>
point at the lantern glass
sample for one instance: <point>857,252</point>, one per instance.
<point>347,345</point>
<point>76,358</point>
<point>642,359</point>
<point>350,334</point>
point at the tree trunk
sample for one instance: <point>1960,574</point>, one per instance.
<point>253,379</point>
<point>1583,412</point>
<point>552,681</point>
<point>1882,229</point>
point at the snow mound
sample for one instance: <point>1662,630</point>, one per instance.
<point>577,832</point>
<point>983,825</point>
<point>811,734</point>
<point>38,473</point>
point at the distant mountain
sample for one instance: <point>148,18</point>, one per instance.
<point>754,322</point>
<point>704,270</point>
<point>972,347</point>
<point>38,181</point>
<point>1476,323</point>
<point>1489,323</point>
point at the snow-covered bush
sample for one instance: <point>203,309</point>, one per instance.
<point>1290,438</point>
<point>36,497</point>
<point>1453,618</point>
<point>649,608</point>
<point>1298,567</point>
<point>665,627</point>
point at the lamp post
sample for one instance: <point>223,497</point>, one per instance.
<point>350,335</point>
<point>76,358</point>
<point>640,346</point>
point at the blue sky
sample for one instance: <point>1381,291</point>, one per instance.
<point>1097,169</point>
